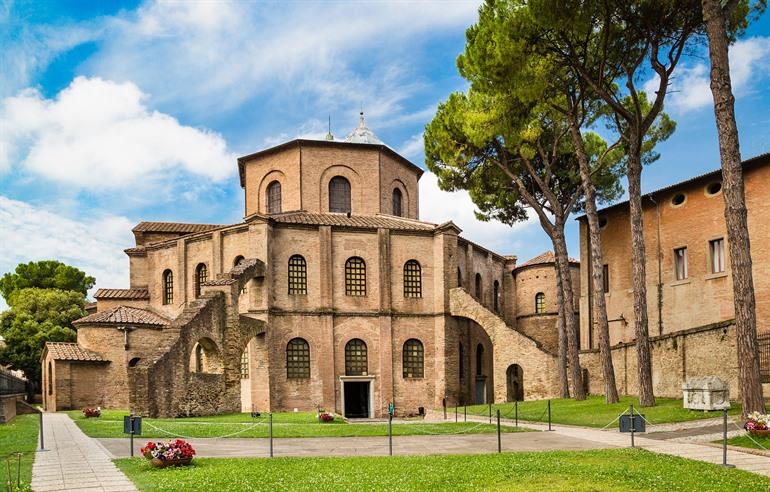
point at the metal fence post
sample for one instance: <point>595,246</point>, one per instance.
<point>490,412</point>
<point>465,412</point>
<point>724,440</point>
<point>455,412</point>
<point>516,411</point>
<point>633,427</point>
<point>444,405</point>
<point>131,434</point>
<point>499,439</point>
<point>549,415</point>
<point>42,439</point>
<point>270,431</point>
<point>390,434</point>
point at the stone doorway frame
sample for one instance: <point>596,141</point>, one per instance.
<point>357,379</point>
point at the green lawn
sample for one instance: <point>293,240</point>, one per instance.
<point>613,470</point>
<point>593,412</point>
<point>18,436</point>
<point>301,424</point>
<point>754,442</point>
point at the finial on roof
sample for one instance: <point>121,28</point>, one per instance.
<point>362,134</point>
<point>329,135</point>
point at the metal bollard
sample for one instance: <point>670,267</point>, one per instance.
<point>490,412</point>
<point>549,415</point>
<point>270,431</point>
<point>465,412</point>
<point>443,402</point>
<point>499,439</point>
<point>42,441</point>
<point>131,434</point>
<point>633,426</point>
<point>455,413</point>
<point>516,411</point>
<point>390,435</point>
<point>724,440</point>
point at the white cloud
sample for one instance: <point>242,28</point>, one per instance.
<point>414,148</point>
<point>95,245</point>
<point>690,88</point>
<point>441,206</point>
<point>100,134</point>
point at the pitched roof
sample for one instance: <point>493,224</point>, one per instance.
<point>133,294</point>
<point>543,258</point>
<point>177,227</point>
<point>72,351</point>
<point>124,315</point>
<point>362,221</point>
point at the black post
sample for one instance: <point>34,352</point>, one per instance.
<point>444,404</point>
<point>42,441</point>
<point>549,415</point>
<point>633,426</point>
<point>390,434</point>
<point>516,411</point>
<point>465,412</point>
<point>490,412</point>
<point>270,431</point>
<point>455,412</point>
<point>499,440</point>
<point>131,434</point>
<point>724,440</point>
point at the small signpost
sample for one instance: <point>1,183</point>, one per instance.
<point>132,425</point>
<point>632,423</point>
<point>391,412</point>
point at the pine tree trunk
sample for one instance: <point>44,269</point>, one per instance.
<point>560,329</point>
<point>735,210</point>
<point>597,264</point>
<point>639,274</point>
<point>570,322</point>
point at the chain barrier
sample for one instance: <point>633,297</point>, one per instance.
<point>172,434</point>
<point>455,433</point>
<point>748,434</point>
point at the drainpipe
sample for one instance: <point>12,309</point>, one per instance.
<point>660,269</point>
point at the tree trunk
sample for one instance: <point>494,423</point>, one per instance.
<point>735,211</point>
<point>570,322</point>
<point>597,264</point>
<point>560,328</point>
<point>639,274</point>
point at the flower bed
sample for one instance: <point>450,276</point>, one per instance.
<point>758,424</point>
<point>92,412</point>
<point>326,417</point>
<point>171,453</point>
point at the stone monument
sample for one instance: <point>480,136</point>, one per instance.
<point>706,393</point>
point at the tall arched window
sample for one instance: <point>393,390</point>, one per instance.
<point>339,195</point>
<point>414,359</point>
<point>496,296</point>
<point>245,363</point>
<point>355,358</point>
<point>479,359</point>
<point>459,277</point>
<point>297,275</point>
<point>274,198</point>
<point>462,362</point>
<point>355,277</point>
<point>238,259</point>
<point>297,359</point>
<point>397,198</point>
<point>201,275</point>
<point>50,378</point>
<point>168,287</point>
<point>539,303</point>
<point>478,286</point>
<point>412,279</point>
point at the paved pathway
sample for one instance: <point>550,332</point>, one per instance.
<point>73,461</point>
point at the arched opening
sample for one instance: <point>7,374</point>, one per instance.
<point>274,198</point>
<point>539,303</point>
<point>298,359</point>
<point>480,389</point>
<point>478,287</point>
<point>339,195</point>
<point>168,287</point>
<point>201,275</point>
<point>459,277</point>
<point>412,279</point>
<point>413,359</point>
<point>356,361</point>
<point>238,260</point>
<point>514,376</point>
<point>206,357</point>
<point>133,362</point>
<point>297,275</point>
<point>355,276</point>
<point>255,379</point>
<point>356,391</point>
<point>397,198</point>
<point>496,296</point>
<point>479,360</point>
<point>50,378</point>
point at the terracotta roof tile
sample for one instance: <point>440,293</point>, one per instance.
<point>544,258</point>
<point>72,351</point>
<point>133,294</point>
<point>177,227</point>
<point>364,221</point>
<point>124,315</point>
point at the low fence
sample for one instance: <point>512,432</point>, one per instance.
<point>12,385</point>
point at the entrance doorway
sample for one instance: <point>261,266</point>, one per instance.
<point>356,399</point>
<point>481,390</point>
<point>515,382</point>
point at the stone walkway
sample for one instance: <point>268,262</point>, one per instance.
<point>74,462</point>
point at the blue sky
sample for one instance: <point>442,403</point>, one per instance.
<point>116,112</point>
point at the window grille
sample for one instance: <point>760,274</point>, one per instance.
<point>339,195</point>
<point>414,359</point>
<point>168,287</point>
<point>680,263</point>
<point>355,277</point>
<point>245,363</point>
<point>355,358</point>
<point>763,345</point>
<point>274,198</point>
<point>412,279</point>
<point>201,274</point>
<point>297,275</point>
<point>297,359</point>
<point>539,303</point>
<point>717,250</point>
<point>397,202</point>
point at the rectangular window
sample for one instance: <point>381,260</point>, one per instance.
<point>717,252</point>
<point>680,263</point>
<point>606,278</point>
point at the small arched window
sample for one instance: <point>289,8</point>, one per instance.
<point>356,363</point>
<point>274,198</point>
<point>414,359</point>
<point>479,359</point>
<point>297,359</point>
<point>168,287</point>
<point>339,195</point>
<point>297,275</point>
<point>459,277</point>
<point>133,362</point>
<point>412,279</point>
<point>539,303</point>
<point>238,259</point>
<point>355,277</point>
<point>496,296</point>
<point>397,198</point>
<point>478,286</point>
<point>201,275</point>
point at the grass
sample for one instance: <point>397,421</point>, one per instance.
<point>18,436</point>
<point>754,442</point>
<point>606,470</point>
<point>289,424</point>
<point>593,412</point>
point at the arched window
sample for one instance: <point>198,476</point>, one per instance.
<point>539,303</point>
<point>479,359</point>
<point>297,359</point>
<point>199,358</point>
<point>478,286</point>
<point>50,378</point>
<point>168,287</point>
<point>201,275</point>
<point>355,358</point>
<point>397,202</point>
<point>412,279</point>
<point>339,195</point>
<point>238,259</point>
<point>245,363</point>
<point>459,277</point>
<point>133,362</point>
<point>297,275</point>
<point>274,198</point>
<point>355,277</point>
<point>462,362</point>
<point>496,296</point>
<point>414,359</point>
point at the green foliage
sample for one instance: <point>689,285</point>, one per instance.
<point>18,436</point>
<point>46,274</point>
<point>556,471</point>
<point>37,316</point>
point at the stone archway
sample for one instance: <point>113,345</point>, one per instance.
<point>514,378</point>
